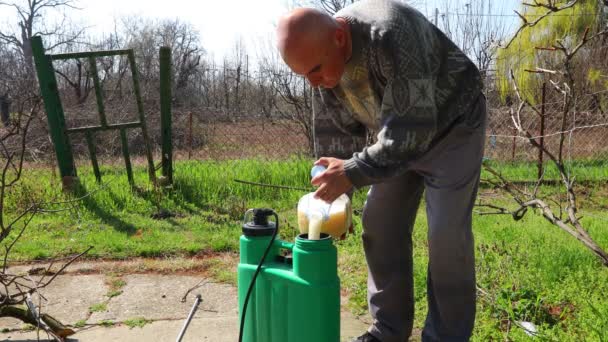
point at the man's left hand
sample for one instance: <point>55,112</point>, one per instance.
<point>333,182</point>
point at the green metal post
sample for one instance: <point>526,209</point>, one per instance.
<point>54,111</point>
<point>91,145</point>
<point>165,112</point>
<point>125,154</point>
<point>142,119</point>
<point>98,92</point>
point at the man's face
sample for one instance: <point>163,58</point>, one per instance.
<point>326,70</point>
<point>321,64</point>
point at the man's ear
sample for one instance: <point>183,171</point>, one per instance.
<point>340,37</point>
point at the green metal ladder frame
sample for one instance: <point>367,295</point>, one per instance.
<point>56,119</point>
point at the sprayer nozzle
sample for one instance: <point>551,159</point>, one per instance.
<point>260,216</point>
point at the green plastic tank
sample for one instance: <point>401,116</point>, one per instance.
<point>294,299</point>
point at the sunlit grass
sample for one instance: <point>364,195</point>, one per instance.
<point>527,270</point>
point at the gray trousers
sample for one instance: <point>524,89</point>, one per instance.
<point>449,173</point>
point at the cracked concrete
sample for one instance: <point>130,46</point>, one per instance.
<point>155,297</point>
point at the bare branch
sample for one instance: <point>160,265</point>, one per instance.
<point>538,70</point>
<point>65,266</point>
<point>9,39</point>
<point>572,223</point>
<point>584,41</point>
<point>526,24</point>
<point>497,210</point>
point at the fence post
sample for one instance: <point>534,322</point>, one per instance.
<point>165,113</point>
<point>542,132</point>
<point>54,112</point>
<point>437,17</point>
<point>141,115</point>
<point>513,147</point>
<point>190,135</point>
<point>5,110</point>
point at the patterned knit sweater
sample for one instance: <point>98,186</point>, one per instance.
<point>405,80</point>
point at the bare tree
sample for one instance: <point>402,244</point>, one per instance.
<point>475,28</point>
<point>19,291</point>
<point>292,101</point>
<point>563,213</point>
<point>331,6</point>
<point>31,23</point>
<point>240,74</point>
<point>184,41</point>
<point>146,36</point>
<point>550,7</point>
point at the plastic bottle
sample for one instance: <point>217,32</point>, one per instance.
<point>316,216</point>
<point>317,169</point>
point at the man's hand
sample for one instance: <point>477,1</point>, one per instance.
<point>333,182</point>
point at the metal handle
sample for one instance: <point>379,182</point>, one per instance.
<point>190,316</point>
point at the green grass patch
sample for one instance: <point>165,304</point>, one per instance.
<point>115,284</point>
<point>107,323</point>
<point>80,324</point>
<point>137,322</point>
<point>114,293</point>
<point>527,270</point>
<point>98,307</point>
<point>28,327</point>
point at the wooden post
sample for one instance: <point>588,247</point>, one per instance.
<point>190,135</point>
<point>542,133</point>
<point>5,114</point>
<point>165,113</point>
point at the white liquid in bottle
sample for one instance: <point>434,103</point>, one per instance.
<point>314,226</point>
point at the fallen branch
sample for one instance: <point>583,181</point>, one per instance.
<point>23,314</point>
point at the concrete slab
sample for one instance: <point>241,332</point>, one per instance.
<point>212,329</point>
<point>69,298</point>
<point>154,297</point>
<point>158,297</point>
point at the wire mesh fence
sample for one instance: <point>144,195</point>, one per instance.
<point>584,132</point>
<point>205,133</point>
<point>237,110</point>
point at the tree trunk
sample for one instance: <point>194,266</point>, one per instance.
<point>5,110</point>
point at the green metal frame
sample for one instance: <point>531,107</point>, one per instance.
<point>56,119</point>
<point>165,113</point>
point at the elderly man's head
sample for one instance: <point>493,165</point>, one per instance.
<point>315,45</point>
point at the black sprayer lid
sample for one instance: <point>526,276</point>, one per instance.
<point>260,226</point>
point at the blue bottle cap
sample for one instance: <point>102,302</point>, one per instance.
<point>317,169</point>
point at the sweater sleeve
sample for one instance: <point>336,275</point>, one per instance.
<point>405,58</point>
<point>335,132</point>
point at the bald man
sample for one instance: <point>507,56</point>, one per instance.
<point>381,66</point>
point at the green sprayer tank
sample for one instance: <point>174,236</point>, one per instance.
<point>295,298</point>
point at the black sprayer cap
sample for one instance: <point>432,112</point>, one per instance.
<point>260,226</point>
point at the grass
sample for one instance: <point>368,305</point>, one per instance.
<point>527,270</point>
<point>115,285</point>
<point>80,324</point>
<point>99,307</point>
<point>107,323</point>
<point>138,322</point>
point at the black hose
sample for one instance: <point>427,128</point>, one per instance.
<point>255,275</point>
